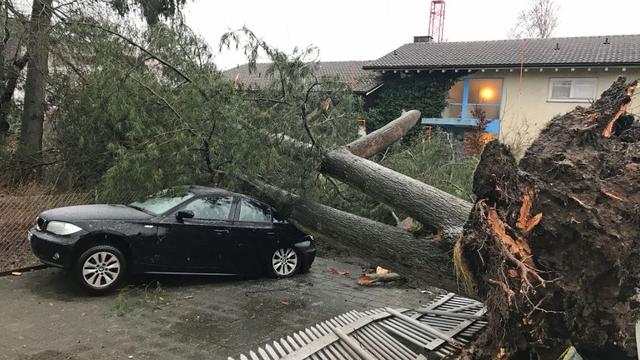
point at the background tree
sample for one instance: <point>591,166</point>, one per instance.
<point>151,10</point>
<point>539,20</point>
<point>12,60</point>
<point>47,16</point>
<point>30,143</point>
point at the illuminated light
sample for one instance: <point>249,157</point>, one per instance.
<point>486,94</point>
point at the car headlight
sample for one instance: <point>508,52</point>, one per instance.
<point>62,228</point>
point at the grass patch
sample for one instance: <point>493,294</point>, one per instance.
<point>135,299</point>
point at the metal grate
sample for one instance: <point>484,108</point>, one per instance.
<point>441,328</point>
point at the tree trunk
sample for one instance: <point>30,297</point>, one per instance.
<point>377,141</point>
<point>30,145</point>
<point>428,205</point>
<point>6,93</point>
<point>425,261</point>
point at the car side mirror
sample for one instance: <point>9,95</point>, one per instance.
<point>184,214</point>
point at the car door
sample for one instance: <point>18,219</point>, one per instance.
<point>253,235</point>
<point>200,244</point>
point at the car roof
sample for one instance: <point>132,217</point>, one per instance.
<point>205,190</point>
<point>200,190</point>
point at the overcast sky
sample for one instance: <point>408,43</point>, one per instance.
<point>368,29</point>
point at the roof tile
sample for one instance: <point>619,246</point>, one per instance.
<point>587,50</point>
<point>350,72</point>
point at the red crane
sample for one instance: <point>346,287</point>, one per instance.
<point>436,20</point>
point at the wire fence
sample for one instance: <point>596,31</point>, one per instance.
<point>17,216</point>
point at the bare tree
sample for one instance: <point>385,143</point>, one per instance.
<point>12,61</point>
<point>35,84</point>
<point>539,20</point>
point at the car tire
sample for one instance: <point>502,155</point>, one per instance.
<point>284,262</point>
<point>100,269</point>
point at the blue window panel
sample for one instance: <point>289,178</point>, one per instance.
<point>465,98</point>
<point>464,120</point>
<point>450,121</point>
<point>492,127</point>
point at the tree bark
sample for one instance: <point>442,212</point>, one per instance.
<point>30,144</point>
<point>428,205</point>
<point>377,141</point>
<point>6,95</point>
<point>425,261</point>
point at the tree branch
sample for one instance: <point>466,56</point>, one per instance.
<point>375,142</point>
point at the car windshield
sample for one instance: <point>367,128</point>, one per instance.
<point>161,202</point>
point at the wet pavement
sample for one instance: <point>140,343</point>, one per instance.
<point>43,316</point>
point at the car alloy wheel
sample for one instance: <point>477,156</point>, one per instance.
<point>284,262</point>
<point>101,270</point>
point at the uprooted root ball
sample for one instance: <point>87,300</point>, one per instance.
<point>553,243</point>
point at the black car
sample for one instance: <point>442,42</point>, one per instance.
<point>188,230</point>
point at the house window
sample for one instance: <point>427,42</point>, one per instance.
<point>576,89</point>
<point>469,97</point>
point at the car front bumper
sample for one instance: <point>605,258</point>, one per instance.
<point>52,249</point>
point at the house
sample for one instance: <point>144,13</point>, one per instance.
<point>362,82</point>
<point>520,84</point>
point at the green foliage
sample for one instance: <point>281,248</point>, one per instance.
<point>437,162</point>
<point>137,122</point>
<point>151,10</point>
<point>139,111</point>
<point>426,92</point>
<point>132,124</point>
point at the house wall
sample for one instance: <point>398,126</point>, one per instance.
<point>525,108</point>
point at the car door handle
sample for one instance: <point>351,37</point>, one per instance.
<point>222,231</point>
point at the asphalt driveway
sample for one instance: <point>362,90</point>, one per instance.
<point>42,316</point>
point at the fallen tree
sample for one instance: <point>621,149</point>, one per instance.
<point>425,259</point>
<point>552,243</point>
<point>422,259</point>
<point>550,246</point>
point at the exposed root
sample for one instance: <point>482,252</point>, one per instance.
<point>510,293</point>
<point>613,196</point>
<point>463,274</point>
<point>608,130</point>
<point>526,223</point>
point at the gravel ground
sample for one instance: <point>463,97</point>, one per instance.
<point>43,316</point>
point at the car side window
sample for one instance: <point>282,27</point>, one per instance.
<point>277,219</point>
<point>252,211</point>
<point>211,208</point>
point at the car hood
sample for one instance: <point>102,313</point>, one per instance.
<point>94,212</point>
